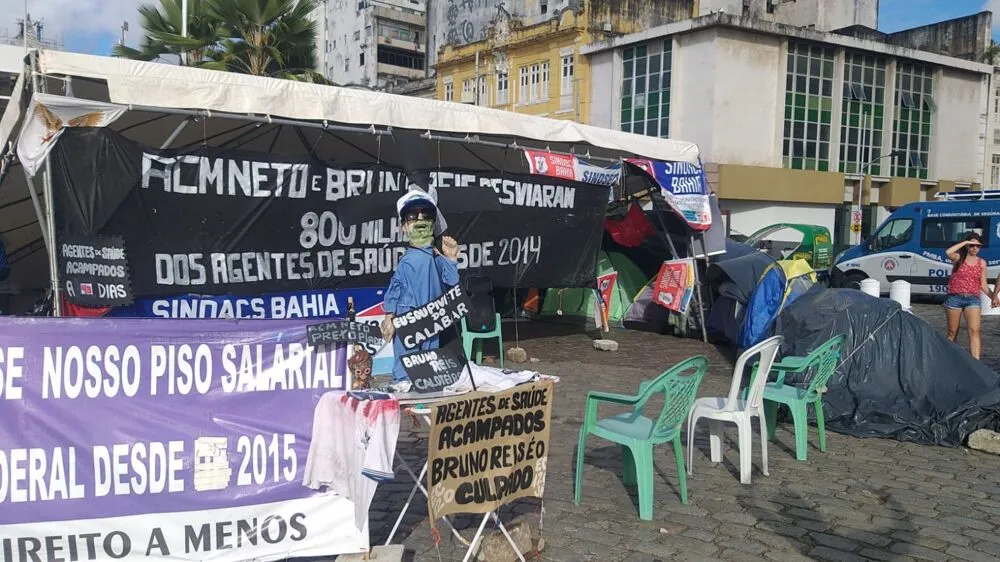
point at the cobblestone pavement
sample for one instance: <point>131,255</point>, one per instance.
<point>868,499</point>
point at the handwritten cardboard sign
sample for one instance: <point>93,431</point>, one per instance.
<point>421,324</point>
<point>486,450</point>
<point>431,371</point>
<point>340,331</point>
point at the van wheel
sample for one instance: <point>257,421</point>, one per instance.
<point>853,281</point>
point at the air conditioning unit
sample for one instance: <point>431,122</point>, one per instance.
<point>607,27</point>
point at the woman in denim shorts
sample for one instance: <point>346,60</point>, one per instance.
<point>968,280</point>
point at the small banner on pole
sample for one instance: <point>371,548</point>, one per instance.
<point>675,285</point>
<point>486,450</point>
<point>605,291</point>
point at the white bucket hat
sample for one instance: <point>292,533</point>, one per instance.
<point>421,198</point>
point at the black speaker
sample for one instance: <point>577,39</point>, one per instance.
<point>482,317</point>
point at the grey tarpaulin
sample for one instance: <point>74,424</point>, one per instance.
<point>898,377</point>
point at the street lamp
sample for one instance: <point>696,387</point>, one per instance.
<point>856,206</point>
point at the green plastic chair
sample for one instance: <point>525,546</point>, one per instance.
<point>472,340</point>
<point>822,362</point>
<point>637,434</point>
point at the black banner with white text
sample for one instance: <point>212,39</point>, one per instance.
<point>217,221</point>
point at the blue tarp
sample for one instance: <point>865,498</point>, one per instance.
<point>763,307</point>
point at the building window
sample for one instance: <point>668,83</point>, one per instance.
<point>862,114</point>
<point>503,87</point>
<point>449,91</point>
<point>995,172</point>
<point>912,127</point>
<point>566,84</point>
<point>545,81</point>
<point>996,102</point>
<point>361,59</point>
<point>397,33</point>
<point>522,92</point>
<point>400,57</point>
<point>357,35</point>
<point>467,91</point>
<point>545,7</point>
<point>483,97</point>
<point>645,107</point>
<point>535,76</point>
<point>943,233</point>
<point>808,107</point>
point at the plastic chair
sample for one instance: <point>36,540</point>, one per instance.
<point>483,322</point>
<point>823,362</point>
<point>739,411</point>
<point>638,434</point>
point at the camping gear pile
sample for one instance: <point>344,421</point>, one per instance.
<point>749,292</point>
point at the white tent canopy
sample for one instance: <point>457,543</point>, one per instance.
<point>178,107</point>
<point>168,86</point>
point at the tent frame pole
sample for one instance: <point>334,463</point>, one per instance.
<point>39,214</point>
<point>173,136</point>
<point>47,220</point>
<point>697,288</point>
<point>372,130</point>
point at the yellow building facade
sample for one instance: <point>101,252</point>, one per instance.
<point>538,69</point>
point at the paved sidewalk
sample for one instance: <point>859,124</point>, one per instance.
<point>868,499</point>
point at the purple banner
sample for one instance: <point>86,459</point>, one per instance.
<point>182,439</point>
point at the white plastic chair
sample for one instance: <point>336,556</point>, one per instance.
<point>732,409</point>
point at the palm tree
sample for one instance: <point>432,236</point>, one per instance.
<point>266,37</point>
<point>261,37</point>
<point>163,32</point>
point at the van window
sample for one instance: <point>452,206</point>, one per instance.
<point>943,233</point>
<point>894,233</point>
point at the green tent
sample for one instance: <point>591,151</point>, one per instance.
<point>578,304</point>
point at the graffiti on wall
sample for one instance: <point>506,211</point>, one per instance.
<point>467,21</point>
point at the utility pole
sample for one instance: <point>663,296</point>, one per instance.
<point>24,27</point>
<point>184,28</point>
<point>124,30</point>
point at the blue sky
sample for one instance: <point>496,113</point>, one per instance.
<point>895,15</point>
<point>93,26</point>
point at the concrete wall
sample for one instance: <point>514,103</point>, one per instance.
<point>965,38</point>
<point>460,22</point>
<point>734,7</point>
<point>955,153</point>
<point>343,60</point>
<point>604,94</point>
<point>727,96</point>
<point>693,90</point>
<point>746,217</point>
<point>749,85</point>
<point>822,15</point>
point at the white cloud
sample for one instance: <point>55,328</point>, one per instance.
<point>65,18</point>
<point>994,6</point>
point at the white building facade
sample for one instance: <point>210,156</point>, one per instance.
<point>789,120</point>
<point>376,44</point>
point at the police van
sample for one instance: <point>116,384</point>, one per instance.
<point>910,244</point>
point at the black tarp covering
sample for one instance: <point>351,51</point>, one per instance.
<point>217,221</point>
<point>898,377</point>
